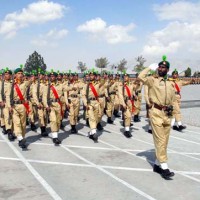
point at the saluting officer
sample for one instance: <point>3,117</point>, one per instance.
<point>161,96</point>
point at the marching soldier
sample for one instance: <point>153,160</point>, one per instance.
<point>111,89</point>
<point>126,97</point>
<point>73,101</point>
<point>2,100</point>
<point>91,102</point>
<point>178,84</point>
<point>38,91</point>
<point>52,102</point>
<point>17,103</point>
<point>33,107</point>
<point>138,99</point>
<point>6,113</point>
<point>161,96</point>
<point>116,102</point>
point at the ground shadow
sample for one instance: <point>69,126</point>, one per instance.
<point>149,155</point>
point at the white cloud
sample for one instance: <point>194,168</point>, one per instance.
<point>51,38</point>
<point>181,36</point>
<point>180,10</point>
<point>113,34</point>
<point>35,13</point>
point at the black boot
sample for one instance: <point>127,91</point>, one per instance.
<point>33,127</point>
<point>87,122</point>
<point>11,136</point>
<point>73,129</point>
<point>176,128</point>
<point>181,127</point>
<point>27,121</point>
<point>109,120</point>
<point>56,141</point>
<point>43,131</point>
<point>128,134</point>
<point>166,174</point>
<point>94,137</point>
<point>116,114</point>
<point>99,127</point>
<point>22,144</point>
<point>4,130</point>
<point>61,125</point>
<point>157,169</point>
<point>136,118</point>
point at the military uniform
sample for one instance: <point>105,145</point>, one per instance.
<point>116,102</point>
<point>161,96</point>
<point>178,84</point>
<point>52,101</point>
<point>126,96</point>
<point>138,100</point>
<point>73,102</point>
<point>91,102</point>
<point>17,103</point>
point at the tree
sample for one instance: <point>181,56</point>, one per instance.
<point>122,65</point>
<point>101,63</point>
<point>196,74</point>
<point>140,64</point>
<point>188,72</point>
<point>34,62</point>
<point>81,66</point>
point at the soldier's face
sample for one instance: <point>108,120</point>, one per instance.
<point>19,75</point>
<point>92,77</point>
<point>59,77</point>
<point>52,77</point>
<point>175,76</point>
<point>41,76</point>
<point>87,77</point>
<point>7,76</point>
<point>126,78</point>
<point>162,70</point>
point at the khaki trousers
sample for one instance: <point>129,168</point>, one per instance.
<point>74,107</point>
<point>19,120</point>
<point>161,126</point>
<point>33,112</point>
<point>116,103</point>
<point>41,117</point>
<point>128,114</point>
<point>94,114</point>
<point>102,107</point>
<point>177,110</point>
<point>55,117</point>
<point>137,105</point>
<point>110,106</point>
<point>7,118</point>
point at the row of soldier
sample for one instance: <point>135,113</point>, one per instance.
<point>23,98</point>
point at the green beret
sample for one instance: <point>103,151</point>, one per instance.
<point>41,72</point>
<point>53,73</point>
<point>175,72</point>
<point>6,70</point>
<point>164,62</point>
<point>33,73</point>
<point>18,70</point>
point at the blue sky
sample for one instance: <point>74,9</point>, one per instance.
<point>65,32</point>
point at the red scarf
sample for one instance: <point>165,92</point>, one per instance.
<point>129,95</point>
<point>94,91</point>
<point>20,95</point>
<point>57,98</point>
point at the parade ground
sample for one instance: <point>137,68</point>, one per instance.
<point>115,168</point>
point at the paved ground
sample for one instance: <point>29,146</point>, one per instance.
<point>116,168</point>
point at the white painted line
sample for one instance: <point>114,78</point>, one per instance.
<point>185,140</point>
<point>110,174</point>
<point>8,158</point>
<point>58,163</point>
<point>48,188</point>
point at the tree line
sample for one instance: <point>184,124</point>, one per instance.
<point>35,62</point>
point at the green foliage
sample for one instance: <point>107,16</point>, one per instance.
<point>140,64</point>
<point>121,67</point>
<point>35,62</point>
<point>188,72</point>
<point>101,63</point>
<point>81,66</point>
